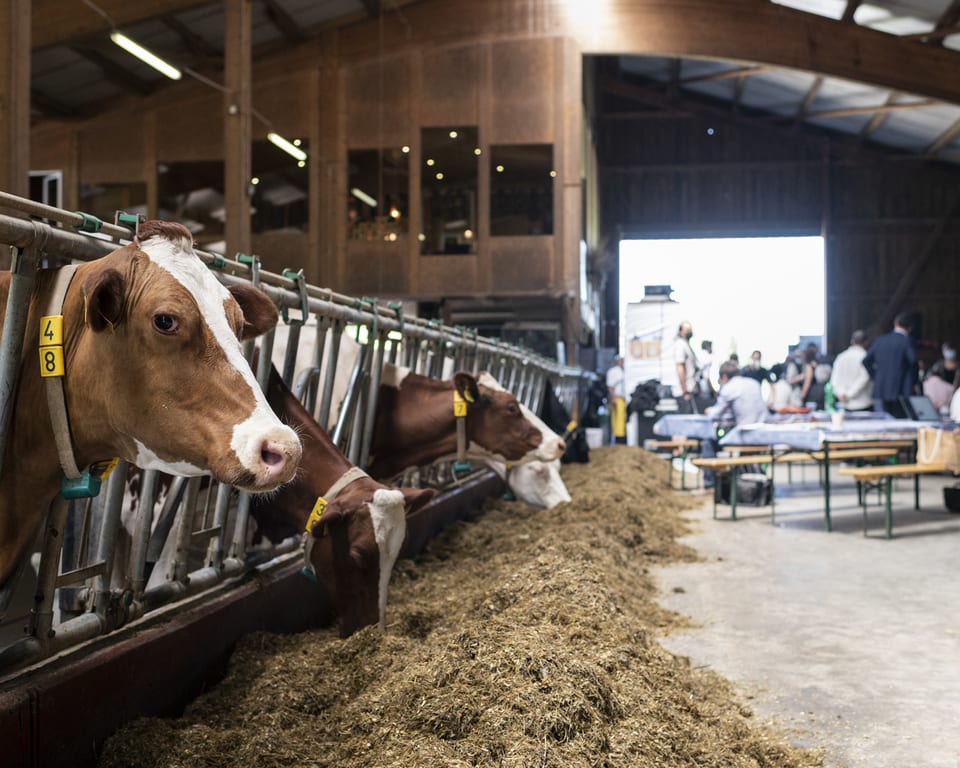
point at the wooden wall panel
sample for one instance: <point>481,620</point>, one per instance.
<point>375,269</point>
<point>522,264</point>
<point>376,98</point>
<point>113,151</point>
<point>524,87</point>
<point>450,83</point>
<point>192,129</point>
<point>448,276</point>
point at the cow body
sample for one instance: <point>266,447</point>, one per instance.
<point>154,373</point>
<point>360,533</point>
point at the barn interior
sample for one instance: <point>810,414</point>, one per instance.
<point>480,163</point>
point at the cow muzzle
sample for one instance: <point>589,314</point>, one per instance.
<point>551,448</point>
<point>268,459</point>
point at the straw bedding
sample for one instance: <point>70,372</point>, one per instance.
<point>519,639</point>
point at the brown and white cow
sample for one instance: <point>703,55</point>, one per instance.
<point>415,422</point>
<point>154,373</point>
<point>359,534</point>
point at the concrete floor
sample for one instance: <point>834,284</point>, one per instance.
<point>847,643</point>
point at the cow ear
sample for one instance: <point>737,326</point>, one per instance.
<point>259,312</point>
<point>414,498</point>
<point>103,298</point>
<point>332,515</point>
<point>466,385</point>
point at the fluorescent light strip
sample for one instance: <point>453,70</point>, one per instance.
<point>361,195</point>
<point>145,56</point>
<point>286,146</point>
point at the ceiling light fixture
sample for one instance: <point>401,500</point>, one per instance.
<point>286,146</point>
<point>361,195</point>
<point>147,57</point>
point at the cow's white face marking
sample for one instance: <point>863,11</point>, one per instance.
<point>393,375</point>
<point>388,513</point>
<point>147,459</point>
<point>549,448</point>
<point>178,258</point>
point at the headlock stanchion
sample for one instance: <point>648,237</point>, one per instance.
<point>332,355</point>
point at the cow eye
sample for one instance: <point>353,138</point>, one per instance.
<point>165,323</point>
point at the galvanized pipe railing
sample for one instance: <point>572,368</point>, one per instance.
<point>424,346</point>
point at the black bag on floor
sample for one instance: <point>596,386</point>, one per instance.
<point>753,489</point>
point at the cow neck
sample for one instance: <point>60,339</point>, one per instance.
<point>56,401</point>
<point>460,406</point>
<point>316,515</point>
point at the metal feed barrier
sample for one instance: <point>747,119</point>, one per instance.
<point>73,589</point>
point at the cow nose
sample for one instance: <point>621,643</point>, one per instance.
<point>280,459</point>
<point>561,446</point>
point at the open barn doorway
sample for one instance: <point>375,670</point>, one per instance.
<point>741,293</point>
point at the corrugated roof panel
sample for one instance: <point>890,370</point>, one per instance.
<point>70,79</point>
<point>777,91</point>
<point>915,129</point>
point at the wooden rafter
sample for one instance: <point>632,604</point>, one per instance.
<point>944,138</point>
<point>808,98</point>
<point>191,40</point>
<point>950,18</point>
<point>373,8</point>
<point>850,10</point>
<point>877,120</point>
<point>55,22</point>
<point>115,73</point>
<point>878,109</point>
<point>49,106</point>
<point>283,21</point>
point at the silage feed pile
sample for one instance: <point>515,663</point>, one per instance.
<point>521,638</point>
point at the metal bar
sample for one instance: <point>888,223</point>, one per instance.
<point>370,411</point>
<point>141,537</point>
<point>23,271</point>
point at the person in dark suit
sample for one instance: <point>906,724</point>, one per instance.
<point>892,364</point>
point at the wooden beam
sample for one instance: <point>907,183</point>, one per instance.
<point>238,116</point>
<point>944,138</point>
<point>767,34</point>
<point>877,120</point>
<point>115,73</point>
<point>56,22</point>
<point>849,11</point>
<point>197,45</point>
<point>291,31</point>
<point>373,8</point>
<point>14,99</point>
<point>878,109</point>
<point>49,106</point>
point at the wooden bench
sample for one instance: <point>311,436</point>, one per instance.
<point>882,478</point>
<point>823,458</point>
<point>722,465</point>
<point>684,446</point>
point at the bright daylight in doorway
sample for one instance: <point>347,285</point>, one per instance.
<point>741,293</point>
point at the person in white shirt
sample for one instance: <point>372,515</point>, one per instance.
<point>617,397</point>
<point>850,379</point>
<point>739,401</point>
<point>686,364</point>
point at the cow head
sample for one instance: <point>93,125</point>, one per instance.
<point>356,544</point>
<point>158,373</point>
<point>537,483</point>
<point>496,421</point>
<point>549,447</point>
<point>361,530</point>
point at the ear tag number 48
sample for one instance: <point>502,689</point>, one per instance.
<point>51,345</point>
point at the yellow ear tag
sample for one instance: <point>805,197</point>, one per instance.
<point>316,513</point>
<point>51,345</point>
<point>459,405</point>
<point>572,425</point>
<point>103,468</point>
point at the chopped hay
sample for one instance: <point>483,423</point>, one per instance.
<point>520,638</point>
